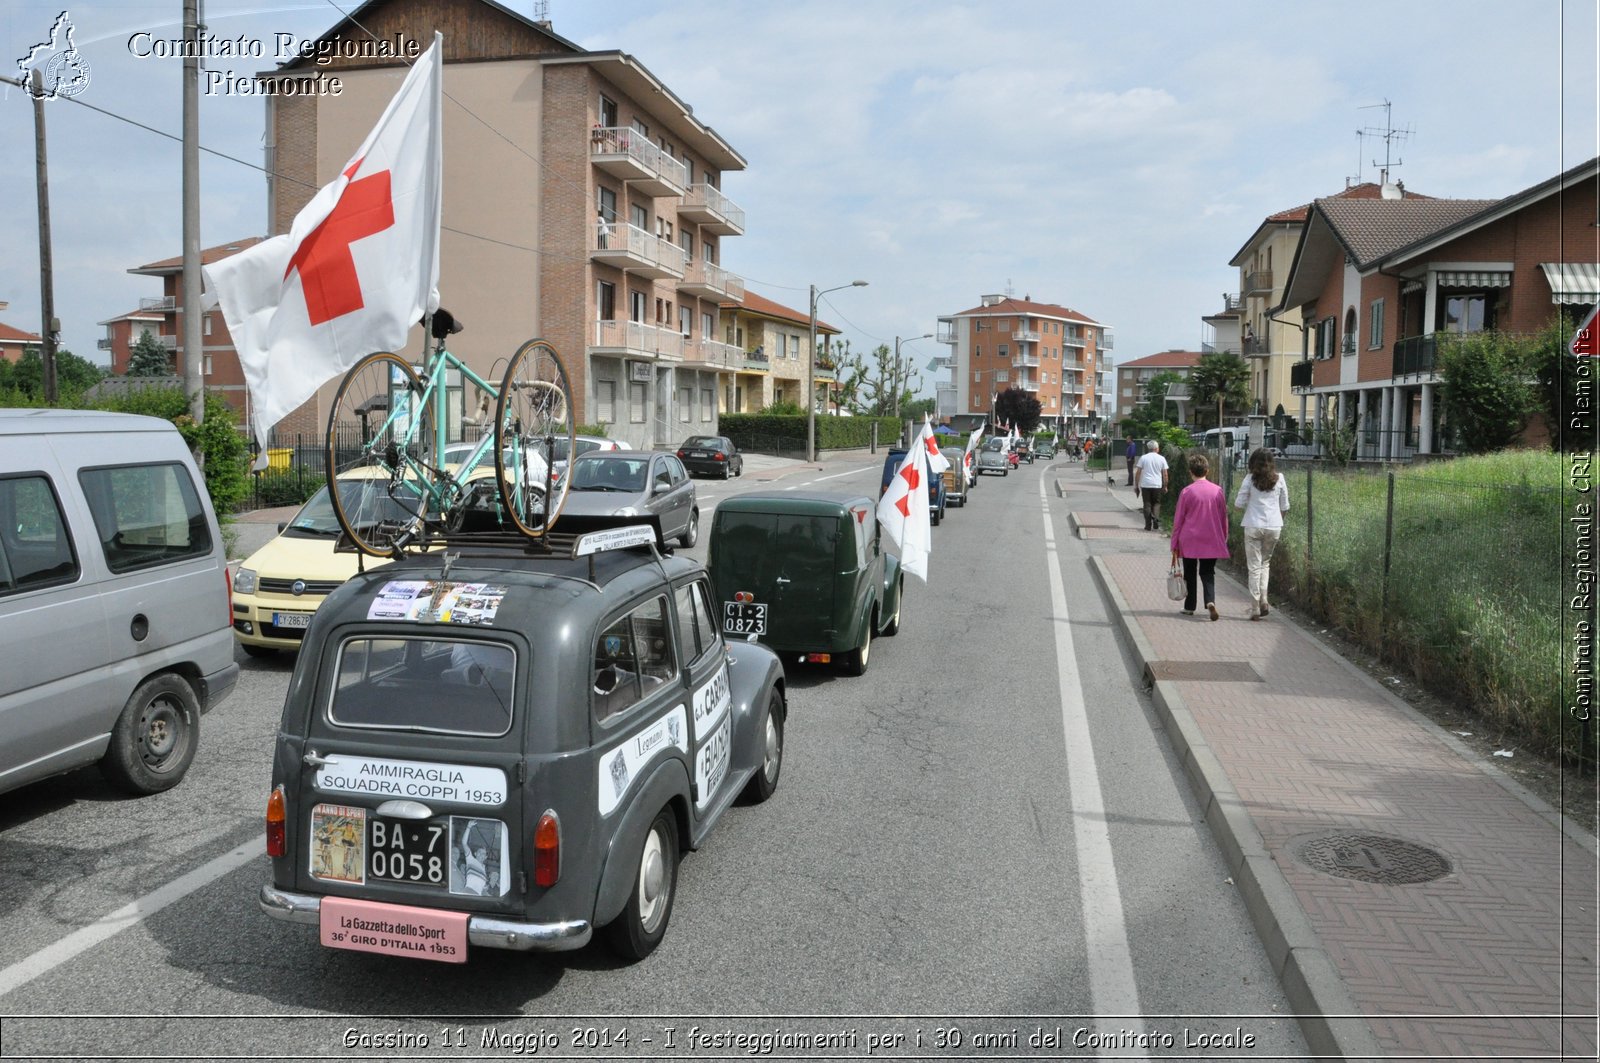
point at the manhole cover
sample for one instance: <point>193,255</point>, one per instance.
<point>1372,858</point>
<point>1205,671</point>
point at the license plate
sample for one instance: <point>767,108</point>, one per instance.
<point>296,620</point>
<point>415,851</point>
<point>744,618</point>
<point>699,454</point>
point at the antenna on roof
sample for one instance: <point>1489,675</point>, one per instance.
<point>1390,137</point>
<point>541,11</point>
<point>1010,291</point>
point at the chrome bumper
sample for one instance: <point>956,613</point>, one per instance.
<point>482,930</point>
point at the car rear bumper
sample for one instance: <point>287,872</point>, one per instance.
<point>485,931</point>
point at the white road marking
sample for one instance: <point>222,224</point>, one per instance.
<point>1112,986</point>
<point>107,926</point>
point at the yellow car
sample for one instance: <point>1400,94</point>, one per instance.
<point>280,585</point>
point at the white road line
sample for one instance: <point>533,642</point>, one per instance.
<point>835,476</point>
<point>1112,986</point>
<point>52,956</point>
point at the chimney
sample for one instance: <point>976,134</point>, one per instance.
<point>1390,191</point>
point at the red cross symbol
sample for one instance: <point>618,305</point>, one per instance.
<point>909,475</point>
<point>1583,341</point>
<point>932,445</point>
<point>327,270</point>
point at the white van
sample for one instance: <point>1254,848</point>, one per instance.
<point>1236,443</point>
<point>115,615</point>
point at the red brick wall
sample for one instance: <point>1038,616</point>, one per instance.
<point>1377,364</point>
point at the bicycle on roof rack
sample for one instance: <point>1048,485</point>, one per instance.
<point>390,425</point>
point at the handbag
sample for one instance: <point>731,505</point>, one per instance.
<point>1177,588</point>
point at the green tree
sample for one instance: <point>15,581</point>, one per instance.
<point>1558,372</point>
<point>873,383</point>
<point>75,375</point>
<point>1222,379</point>
<point>1018,408</point>
<point>1488,387</point>
<point>1152,409</point>
<point>917,409</point>
<point>148,357</point>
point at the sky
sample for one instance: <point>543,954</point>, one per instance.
<point>1110,158</point>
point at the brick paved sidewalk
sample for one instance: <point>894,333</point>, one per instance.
<point>1288,744</point>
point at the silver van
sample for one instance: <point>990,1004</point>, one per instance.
<point>115,615</point>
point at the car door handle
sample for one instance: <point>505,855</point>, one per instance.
<point>313,760</point>
<point>780,579</point>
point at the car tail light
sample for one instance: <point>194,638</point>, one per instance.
<point>819,658</point>
<point>721,456</point>
<point>276,843</point>
<point>547,850</point>
<point>680,453</point>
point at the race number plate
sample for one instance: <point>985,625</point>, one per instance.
<point>407,850</point>
<point>744,618</point>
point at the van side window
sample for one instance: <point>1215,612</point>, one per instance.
<point>35,546</point>
<point>146,514</point>
<point>632,657</point>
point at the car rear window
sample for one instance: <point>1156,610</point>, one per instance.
<point>410,683</point>
<point>146,514</point>
<point>35,546</point>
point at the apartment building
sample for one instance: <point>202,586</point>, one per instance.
<point>124,330</point>
<point>1133,376</point>
<point>773,339</point>
<point>582,204</point>
<point>14,343</point>
<point>1052,352</point>
<point>1377,284</point>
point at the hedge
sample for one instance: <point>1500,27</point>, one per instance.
<point>777,433</point>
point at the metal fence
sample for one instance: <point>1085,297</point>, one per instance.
<point>1459,583</point>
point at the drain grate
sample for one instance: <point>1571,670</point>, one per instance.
<point>1372,858</point>
<point>1206,671</point>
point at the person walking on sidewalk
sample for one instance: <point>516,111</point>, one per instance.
<point>1132,454</point>
<point>1264,497</point>
<point>1200,534</point>
<point>1153,477</point>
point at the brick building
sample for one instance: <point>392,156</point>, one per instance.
<point>1053,353</point>
<point>582,204</point>
<point>1376,283</point>
<point>14,343</point>
<point>1133,376</point>
<point>771,339</point>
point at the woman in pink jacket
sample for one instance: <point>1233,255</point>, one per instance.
<point>1200,534</point>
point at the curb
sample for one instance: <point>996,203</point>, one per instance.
<point>1327,1014</point>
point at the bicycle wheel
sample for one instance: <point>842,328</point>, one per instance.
<point>382,479</point>
<point>533,415</point>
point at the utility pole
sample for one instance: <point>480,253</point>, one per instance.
<point>193,350</point>
<point>48,327</point>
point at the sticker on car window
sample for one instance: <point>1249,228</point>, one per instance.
<point>437,602</point>
<point>466,784</point>
<point>620,767</point>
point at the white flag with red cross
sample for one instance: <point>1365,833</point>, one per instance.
<point>937,462</point>
<point>903,512</point>
<point>357,269</point>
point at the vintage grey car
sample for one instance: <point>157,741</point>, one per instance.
<point>992,458</point>
<point>511,751</point>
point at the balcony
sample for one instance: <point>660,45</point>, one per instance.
<point>631,248</point>
<point>1255,348</point>
<point>1258,282</point>
<point>946,331</point>
<point>169,342</point>
<point>1300,375</point>
<point>824,371</point>
<point>637,339</point>
<point>1025,335</point>
<point>707,207</point>
<point>1414,355</point>
<point>165,302</point>
<point>1231,302</point>
<point>707,280</point>
<point>1026,360</point>
<point>1074,337</point>
<point>1348,344</point>
<point>628,154</point>
<point>757,362</point>
<point>713,353</point>
<point>103,343</point>
<point>1105,341</point>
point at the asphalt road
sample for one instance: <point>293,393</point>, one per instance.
<point>986,834</point>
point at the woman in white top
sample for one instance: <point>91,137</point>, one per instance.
<point>1264,497</point>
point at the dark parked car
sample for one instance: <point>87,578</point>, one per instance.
<point>936,485</point>
<point>511,751</point>
<point>649,486</point>
<point>805,573</point>
<point>711,456</point>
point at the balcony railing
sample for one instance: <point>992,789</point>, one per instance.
<point>1231,302</point>
<point>1300,375</point>
<point>1415,355</point>
<point>1347,345</point>
<point>1258,282</point>
<point>1029,360</point>
<point>824,372</point>
<point>710,281</point>
<point>1025,335</point>
<point>627,153</point>
<point>706,206</point>
<point>1256,348</point>
<point>945,331</point>
<point>630,247</point>
<point>165,302</point>
<point>168,342</point>
<point>712,352</point>
<point>1105,341</point>
<point>757,361</point>
<point>635,337</point>
<point>1074,338</point>
<point>103,343</point>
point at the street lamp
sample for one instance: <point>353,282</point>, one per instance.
<point>811,369</point>
<point>896,368</point>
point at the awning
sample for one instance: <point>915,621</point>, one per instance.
<point>1407,287</point>
<point>1572,282</point>
<point>1474,278</point>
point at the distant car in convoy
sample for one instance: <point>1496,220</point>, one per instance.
<point>936,485</point>
<point>512,751</point>
<point>994,458</point>
<point>957,478</point>
<point>649,486</point>
<point>1046,450</point>
<point>281,585</point>
<point>806,573</point>
<point>711,456</point>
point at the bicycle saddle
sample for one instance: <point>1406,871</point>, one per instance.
<point>445,324</point>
